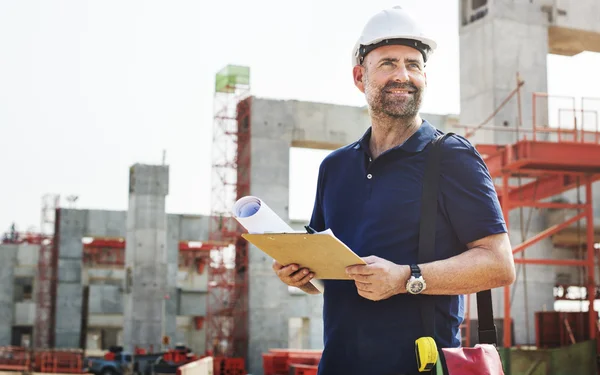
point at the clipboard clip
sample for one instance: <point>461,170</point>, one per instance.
<point>309,230</point>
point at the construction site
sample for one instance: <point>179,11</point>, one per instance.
<point>109,286</point>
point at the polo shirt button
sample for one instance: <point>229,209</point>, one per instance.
<point>369,176</point>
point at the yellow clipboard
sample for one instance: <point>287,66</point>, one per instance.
<point>323,254</point>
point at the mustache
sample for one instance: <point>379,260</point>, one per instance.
<point>404,86</point>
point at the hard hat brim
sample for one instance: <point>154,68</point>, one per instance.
<point>423,44</point>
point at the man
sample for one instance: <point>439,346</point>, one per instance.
<point>369,194</point>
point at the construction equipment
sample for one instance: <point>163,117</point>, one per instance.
<point>427,353</point>
<point>282,361</point>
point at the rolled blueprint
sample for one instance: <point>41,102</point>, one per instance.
<point>256,216</point>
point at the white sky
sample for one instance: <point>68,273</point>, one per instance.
<point>88,88</point>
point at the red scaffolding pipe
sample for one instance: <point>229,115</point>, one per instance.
<point>591,283</point>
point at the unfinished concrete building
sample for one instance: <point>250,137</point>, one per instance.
<point>121,278</point>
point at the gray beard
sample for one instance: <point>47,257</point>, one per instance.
<point>382,103</point>
<point>402,108</point>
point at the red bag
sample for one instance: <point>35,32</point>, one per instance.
<point>483,359</point>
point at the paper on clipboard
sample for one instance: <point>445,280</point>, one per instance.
<point>254,215</point>
<point>258,218</point>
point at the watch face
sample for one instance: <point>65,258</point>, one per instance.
<point>416,286</point>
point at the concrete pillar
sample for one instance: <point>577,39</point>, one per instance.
<point>8,260</point>
<point>69,291</point>
<point>173,236</point>
<point>509,38</point>
<point>146,316</point>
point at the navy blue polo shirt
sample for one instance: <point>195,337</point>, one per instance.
<point>374,208</point>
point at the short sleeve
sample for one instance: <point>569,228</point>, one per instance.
<point>317,220</point>
<point>469,196</point>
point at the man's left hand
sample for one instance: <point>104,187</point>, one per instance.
<point>379,279</point>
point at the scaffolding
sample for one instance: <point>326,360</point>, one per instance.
<point>227,305</point>
<point>559,152</point>
<point>46,284</point>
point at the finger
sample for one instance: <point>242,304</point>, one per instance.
<point>276,265</point>
<point>303,280</point>
<point>362,278</point>
<point>287,270</point>
<point>300,275</point>
<point>371,259</point>
<point>363,287</point>
<point>359,270</point>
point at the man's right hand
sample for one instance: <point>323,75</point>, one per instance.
<point>293,275</point>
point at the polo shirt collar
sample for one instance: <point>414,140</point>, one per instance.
<point>416,142</point>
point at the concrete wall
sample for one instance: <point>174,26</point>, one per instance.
<point>8,260</point>
<point>105,299</point>
<point>512,38</point>
<point>104,223</point>
<point>28,255</point>
<point>24,313</point>
<point>192,304</point>
<point>183,228</point>
<point>27,260</point>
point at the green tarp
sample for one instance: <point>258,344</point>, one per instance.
<point>230,77</point>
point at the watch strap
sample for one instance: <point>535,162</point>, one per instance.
<point>415,270</point>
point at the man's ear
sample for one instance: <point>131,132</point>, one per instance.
<point>359,73</point>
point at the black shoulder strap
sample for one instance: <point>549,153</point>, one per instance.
<point>429,203</point>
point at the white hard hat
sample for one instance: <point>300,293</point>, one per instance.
<point>392,26</point>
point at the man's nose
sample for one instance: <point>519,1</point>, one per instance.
<point>401,74</point>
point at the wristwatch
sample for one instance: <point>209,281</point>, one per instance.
<point>415,284</point>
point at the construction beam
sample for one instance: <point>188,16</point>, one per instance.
<point>489,150</point>
<point>552,262</point>
<point>550,156</point>
<point>572,237</point>
<point>542,188</point>
<point>317,145</point>
<point>548,232</point>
